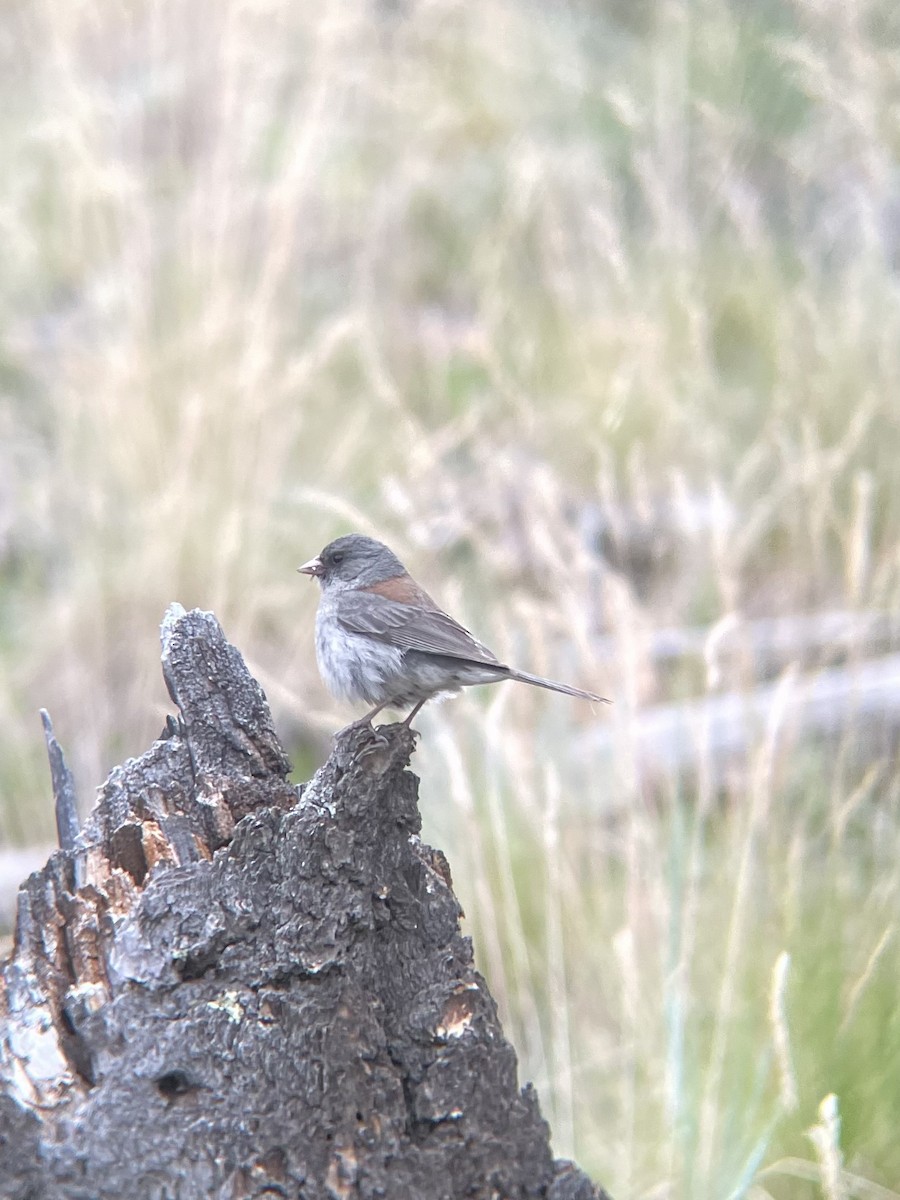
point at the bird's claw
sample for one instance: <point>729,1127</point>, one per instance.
<point>379,741</point>
<point>361,723</point>
<point>374,739</point>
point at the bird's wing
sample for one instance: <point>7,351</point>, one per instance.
<point>409,627</point>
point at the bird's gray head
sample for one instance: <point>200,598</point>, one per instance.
<point>353,561</point>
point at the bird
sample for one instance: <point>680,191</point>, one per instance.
<point>382,640</point>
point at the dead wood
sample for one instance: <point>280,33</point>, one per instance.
<point>227,986</point>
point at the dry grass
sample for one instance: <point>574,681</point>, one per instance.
<point>589,307</point>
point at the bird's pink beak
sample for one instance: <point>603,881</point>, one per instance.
<point>314,568</point>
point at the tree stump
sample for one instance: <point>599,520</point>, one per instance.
<point>226,986</point>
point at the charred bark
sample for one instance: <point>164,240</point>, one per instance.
<point>227,986</point>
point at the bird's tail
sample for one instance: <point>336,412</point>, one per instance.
<point>553,686</point>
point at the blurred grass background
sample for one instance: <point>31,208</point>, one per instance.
<point>590,309</point>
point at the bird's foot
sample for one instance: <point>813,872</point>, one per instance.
<point>360,723</point>
<point>371,741</point>
<point>385,731</point>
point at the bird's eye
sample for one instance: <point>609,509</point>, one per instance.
<point>337,557</point>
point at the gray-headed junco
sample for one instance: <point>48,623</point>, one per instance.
<point>381,639</point>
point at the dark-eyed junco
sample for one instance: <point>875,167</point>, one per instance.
<point>381,639</point>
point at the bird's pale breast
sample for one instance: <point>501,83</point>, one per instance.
<point>354,667</point>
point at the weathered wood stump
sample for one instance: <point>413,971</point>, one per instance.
<point>226,986</point>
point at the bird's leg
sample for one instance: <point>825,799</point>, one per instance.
<point>379,740</point>
<point>370,716</point>
<point>362,722</point>
<point>367,719</point>
<point>413,711</point>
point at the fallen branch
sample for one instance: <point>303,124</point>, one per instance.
<point>718,733</point>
